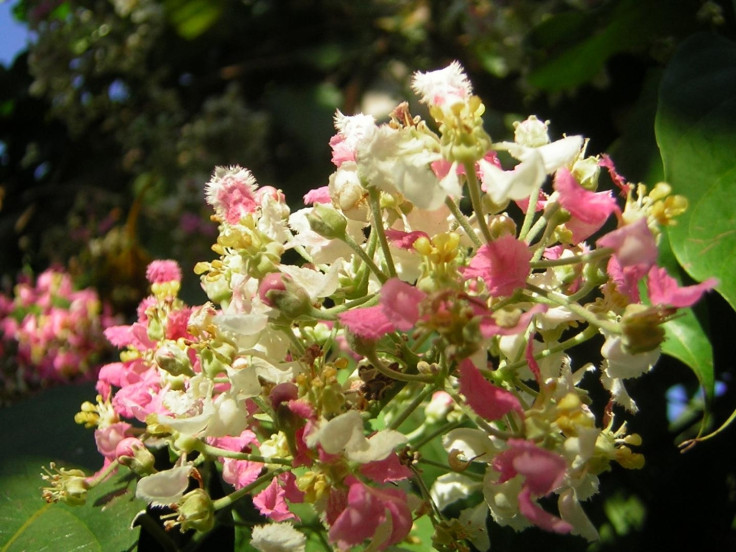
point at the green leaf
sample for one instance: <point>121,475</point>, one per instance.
<point>624,29</point>
<point>686,339</point>
<point>26,521</point>
<point>695,131</point>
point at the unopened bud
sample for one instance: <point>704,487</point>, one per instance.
<point>283,294</point>
<point>174,360</point>
<point>327,222</point>
<point>196,511</point>
<point>131,452</point>
<point>642,328</point>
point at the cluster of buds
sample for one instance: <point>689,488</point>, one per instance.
<point>50,333</point>
<point>409,319</point>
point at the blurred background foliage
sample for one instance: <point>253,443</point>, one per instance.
<point>113,120</point>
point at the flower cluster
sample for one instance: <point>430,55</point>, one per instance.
<point>50,333</point>
<point>409,318</point>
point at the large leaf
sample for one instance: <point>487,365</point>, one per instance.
<point>686,339</point>
<point>627,27</point>
<point>28,523</point>
<point>34,433</point>
<point>695,129</point>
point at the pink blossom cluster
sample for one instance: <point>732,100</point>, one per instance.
<point>51,333</point>
<point>407,322</point>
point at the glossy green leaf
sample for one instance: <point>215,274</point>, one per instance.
<point>28,523</point>
<point>36,432</point>
<point>686,339</point>
<point>695,131</point>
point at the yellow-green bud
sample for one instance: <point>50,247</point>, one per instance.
<point>174,360</point>
<point>196,511</point>
<point>327,222</point>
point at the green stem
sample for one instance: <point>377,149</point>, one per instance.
<point>365,258</point>
<point>476,202</point>
<point>588,333</point>
<point>574,259</point>
<point>102,475</point>
<point>439,431</point>
<point>449,469</point>
<point>462,221</point>
<point>374,196</point>
<point>582,312</point>
<point>529,215</point>
<point>393,374</point>
<point>233,497</point>
<point>411,407</point>
<point>224,453</point>
<point>366,301</point>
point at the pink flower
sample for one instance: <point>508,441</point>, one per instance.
<point>607,163</point>
<point>627,278</point>
<point>108,438</point>
<point>386,470</point>
<point>404,240</point>
<point>341,151</point>
<point>366,510</point>
<point>400,302</point>
<point>486,400</point>
<point>542,471</point>
<point>633,244</point>
<point>589,210</point>
<point>271,502</point>
<point>502,264</point>
<point>238,473</point>
<point>367,322</point>
<point>162,271</point>
<point>664,290</point>
<point>232,193</point>
<point>318,195</point>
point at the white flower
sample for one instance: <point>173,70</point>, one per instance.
<point>473,444</point>
<point>625,365</point>
<point>320,249</point>
<point>395,160</point>
<point>561,153</point>
<point>443,87</point>
<point>451,487</point>
<point>355,129</point>
<point>516,184</point>
<point>347,193</point>
<point>165,487</point>
<point>532,132</point>
<point>572,512</point>
<point>278,537</point>
<point>344,433</point>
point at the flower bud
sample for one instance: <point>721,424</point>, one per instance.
<point>531,133</point>
<point>280,292</point>
<point>131,452</point>
<point>327,222</point>
<point>196,511</point>
<point>174,360</point>
<point>642,327</point>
